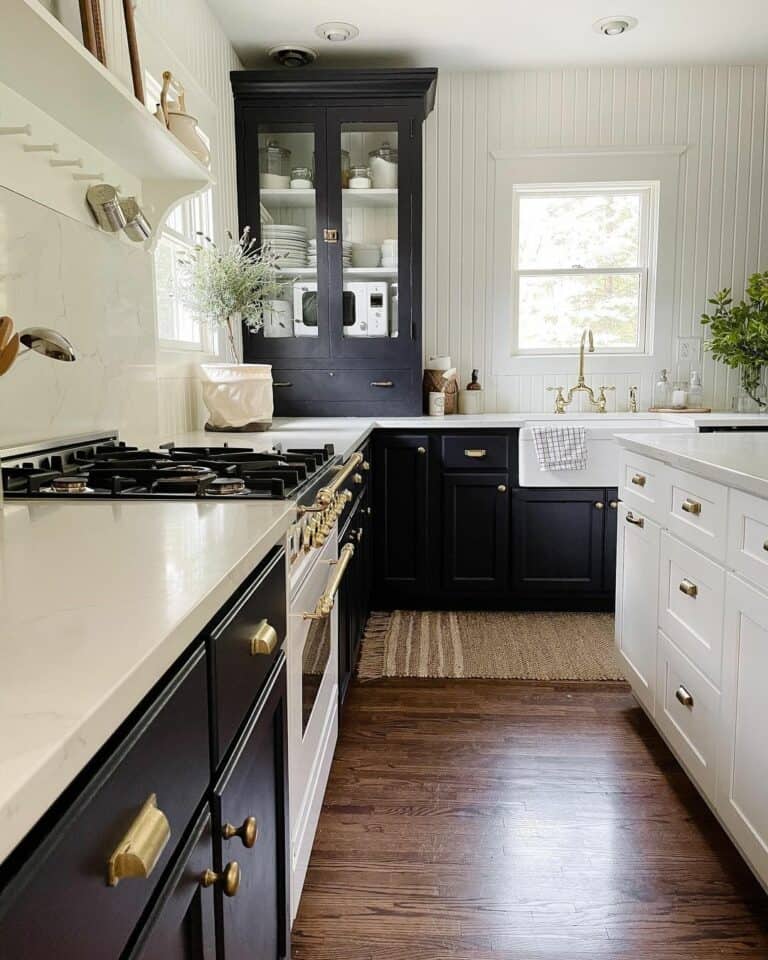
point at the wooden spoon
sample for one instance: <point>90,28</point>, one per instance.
<point>6,330</point>
<point>8,354</point>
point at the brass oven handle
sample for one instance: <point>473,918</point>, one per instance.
<point>382,383</point>
<point>691,506</point>
<point>688,588</point>
<point>138,852</point>
<point>264,639</point>
<point>248,832</point>
<point>476,454</point>
<point>228,879</point>
<point>325,495</point>
<point>637,521</point>
<point>639,480</point>
<point>684,697</point>
<point>328,598</point>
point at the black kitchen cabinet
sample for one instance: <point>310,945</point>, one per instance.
<point>181,923</point>
<point>475,532</point>
<point>250,803</point>
<point>344,334</point>
<point>401,502</point>
<point>563,543</point>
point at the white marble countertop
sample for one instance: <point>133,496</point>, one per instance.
<point>97,600</point>
<point>738,460</point>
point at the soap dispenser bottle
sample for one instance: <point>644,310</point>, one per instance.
<point>662,392</point>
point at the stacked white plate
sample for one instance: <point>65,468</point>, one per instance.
<point>288,242</point>
<point>389,253</point>
<point>346,253</point>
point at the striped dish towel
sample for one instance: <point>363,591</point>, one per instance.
<point>560,448</point>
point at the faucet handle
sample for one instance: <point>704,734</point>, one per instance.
<point>602,400</point>
<point>560,401</point>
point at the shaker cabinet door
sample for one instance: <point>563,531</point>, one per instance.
<point>475,532</point>
<point>250,817</point>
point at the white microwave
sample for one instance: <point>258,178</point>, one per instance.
<point>365,309</point>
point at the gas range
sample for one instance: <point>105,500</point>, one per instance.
<point>105,467</point>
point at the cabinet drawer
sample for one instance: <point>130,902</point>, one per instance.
<point>698,512</point>
<point>691,601</point>
<point>748,536</point>
<point>688,709</point>
<point>644,485</point>
<point>245,645</point>
<point>301,387</point>
<point>64,885</point>
<point>466,451</point>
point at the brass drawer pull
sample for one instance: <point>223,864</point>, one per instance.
<point>228,879</point>
<point>382,383</point>
<point>476,454</point>
<point>327,600</point>
<point>282,383</point>
<point>637,521</point>
<point>639,480</point>
<point>691,506</point>
<point>689,589</point>
<point>138,852</point>
<point>264,639</point>
<point>248,832</point>
<point>684,697</point>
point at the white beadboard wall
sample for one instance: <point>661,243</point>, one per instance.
<point>719,112</point>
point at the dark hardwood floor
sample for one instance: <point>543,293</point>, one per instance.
<point>485,820</point>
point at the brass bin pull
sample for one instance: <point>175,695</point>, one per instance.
<point>476,454</point>
<point>691,506</point>
<point>637,521</point>
<point>688,588</point>
<point>325,495</point>
<point>327,600</point>
<point>138,852</point>
<point>264,639</point>
<point>684,697</point>
<point>248,832</point>
<point>639,480</point>
<point>382,383</point>
<point>228,879</point>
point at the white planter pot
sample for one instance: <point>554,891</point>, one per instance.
<point>238,395</point>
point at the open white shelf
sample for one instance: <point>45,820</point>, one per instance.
<point>46,65</point>
<point>286,198</point>
<point>348,271</point>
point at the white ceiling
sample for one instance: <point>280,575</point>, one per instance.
<point>498,34</point>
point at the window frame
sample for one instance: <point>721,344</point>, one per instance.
<point>648,190</point>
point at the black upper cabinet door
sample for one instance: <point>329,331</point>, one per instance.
<point>609,547</point>
<point>475,532</point>
<point>181,923</point>
<point>253,924</point>
<point>559,541</point>
<point>400,513</point>
<point>285,139</point>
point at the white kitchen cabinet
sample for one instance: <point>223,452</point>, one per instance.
<point>748,537</point>
<point>637,577</point>
<point>742,795</point>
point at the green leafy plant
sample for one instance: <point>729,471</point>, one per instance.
<point>220,285</point>
<point>739,332</point>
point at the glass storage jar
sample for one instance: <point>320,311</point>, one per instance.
<point>274,166</point>
<point>383,164</point>
<point>301,178</point>
<point>359,178</point>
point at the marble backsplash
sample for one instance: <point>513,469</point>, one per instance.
<point>98,291</point>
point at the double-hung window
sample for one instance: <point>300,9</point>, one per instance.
<point>583,255</point>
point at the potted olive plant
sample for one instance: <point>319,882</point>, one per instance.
<point>739,334</point>
<point>223,287</point>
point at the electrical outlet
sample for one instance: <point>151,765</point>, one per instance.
<point>689,353</point>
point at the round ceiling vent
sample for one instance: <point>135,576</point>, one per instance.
<point>614,26</point>
<point>293,55</point>
<point>337,31</point>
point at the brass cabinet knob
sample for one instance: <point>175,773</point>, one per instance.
<point>599,505</point>
<point>138,852</point>
<point>639,480</point>
<point>264,639</point>
<point>684,697</point>
<point>421,450</point>
<point>691,506</point>
<point>613,504</point>
<point>248,832</point>
<point>502,488</point>
<point>228,879</point>
<point>688,588</point>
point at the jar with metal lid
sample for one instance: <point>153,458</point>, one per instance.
<point>359,178</point>
<point>274,166</point>
<point>301,178</point>
<point>383,164</point>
